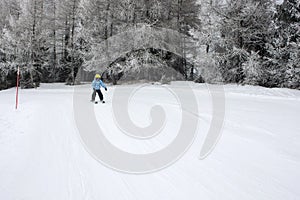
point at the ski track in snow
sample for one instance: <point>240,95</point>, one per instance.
<point>257,157</point>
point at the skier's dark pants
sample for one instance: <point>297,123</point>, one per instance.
<point>99,93</point>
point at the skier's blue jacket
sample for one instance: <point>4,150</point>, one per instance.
<point>97,84</point>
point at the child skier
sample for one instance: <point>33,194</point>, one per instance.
<point>97,84</point>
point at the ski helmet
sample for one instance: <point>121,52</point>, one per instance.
<point>97,76</point>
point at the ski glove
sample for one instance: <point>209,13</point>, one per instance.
<point>105,89</point>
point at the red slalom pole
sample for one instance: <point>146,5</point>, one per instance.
<point>17,92</point>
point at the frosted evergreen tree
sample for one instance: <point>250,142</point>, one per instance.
<point>252,69</point>
<point>245,28</point>
<point>282,59</point>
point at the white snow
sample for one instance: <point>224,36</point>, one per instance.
<point>279,2</point>
<point>257,157</point>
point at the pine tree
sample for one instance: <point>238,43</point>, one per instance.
<point>282,59</point>
<point>289,23</point>
<point>252,69</point>
<point>245,28</point>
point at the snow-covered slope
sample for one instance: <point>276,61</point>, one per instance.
<point>257,157</point>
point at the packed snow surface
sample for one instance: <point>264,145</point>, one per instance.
<point>257,156</point>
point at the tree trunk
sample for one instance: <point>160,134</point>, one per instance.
<point>72,42</point>
<point>54,35</point>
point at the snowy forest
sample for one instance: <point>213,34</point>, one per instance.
<point>254,42</point>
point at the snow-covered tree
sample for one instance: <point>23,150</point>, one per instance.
<point>245,27</point>
<point>252,69</point>
<point>281,63</point>
<point>250,41</point>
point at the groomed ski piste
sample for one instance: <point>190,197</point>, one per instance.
<point>257,156</point>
